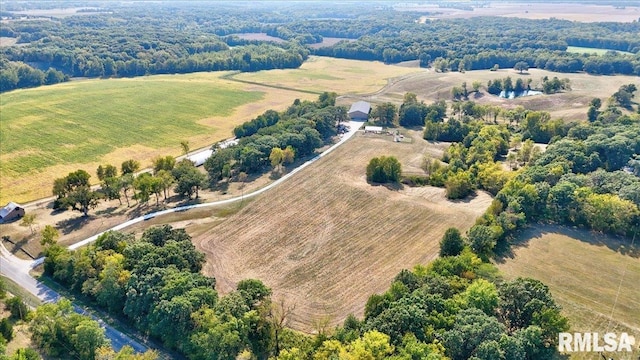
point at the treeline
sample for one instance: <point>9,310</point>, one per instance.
<point>540,43</point>
<point>304,127</point>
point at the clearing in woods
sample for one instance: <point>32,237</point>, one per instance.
<point>583,270</point>
<point>325,240</point>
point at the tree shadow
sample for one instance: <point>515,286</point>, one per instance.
<point>391,186</point>
<point>70,225</point>
<point>622,245</point>
<point>465,200</point>
<point>110,211</point>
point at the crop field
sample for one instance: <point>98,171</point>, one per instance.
<point>330,74</point>
<point>588,50</point>
<point>584,271</point>
<point>570,105</point>
<point>326,239</point>
<point>540,10</point>
<point>50,131</point>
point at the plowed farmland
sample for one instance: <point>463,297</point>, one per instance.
<point>325,240</point>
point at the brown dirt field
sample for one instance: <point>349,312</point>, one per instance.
<point>565,11</point>
<point>7,41</point>
<point>326,239</point>
<point>259,37</point>
<point>328,41</point>
<point>571,105</point>
<point>583,270</point>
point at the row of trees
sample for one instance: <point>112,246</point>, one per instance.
<point>278,138</point>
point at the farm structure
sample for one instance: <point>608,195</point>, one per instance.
<point>10,212</point>
<point>359,111</point>
<point>373,129</point>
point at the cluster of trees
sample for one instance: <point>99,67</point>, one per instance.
<point>547,86</point>
<point>384,170</point>
<point>275,138</point>
<point>411,112</point>
<point>578,180</point>
<point>74,190</point>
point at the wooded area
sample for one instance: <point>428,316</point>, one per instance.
<point>135,39</point>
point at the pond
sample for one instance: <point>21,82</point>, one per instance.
<point>513,94</point>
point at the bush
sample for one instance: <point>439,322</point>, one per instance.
<point>452,243</point>
<point>17,307</point>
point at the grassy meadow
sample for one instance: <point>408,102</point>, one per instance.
<point>330,74</point>
<point>584,271</point>
<point>588,50</point>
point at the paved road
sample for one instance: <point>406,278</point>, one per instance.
<point>18,270</point>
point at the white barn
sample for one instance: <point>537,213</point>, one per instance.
<point>360,111</point>
<point>10,212</point>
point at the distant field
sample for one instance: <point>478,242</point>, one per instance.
<point>329,41</point>
<point>330,74</point>
<point>571,105</point>
<point>583,271</point>
<point>259,37</point>
<point>588,50</point>
<point>540,10</point>
<point>49,131</point>
<point>326,240</point>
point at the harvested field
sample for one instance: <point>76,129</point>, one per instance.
<point>573,11</point>
<point>584,271</point>
<point>328,41</point>
<point>259,37</point>
<point>326,239</point>
<point>342,76</point>
<point>570,105</point>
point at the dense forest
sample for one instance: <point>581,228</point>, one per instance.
<point>135,39</point>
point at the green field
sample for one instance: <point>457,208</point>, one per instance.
<point>594,277</point>
<point>82,122</point>
<point>588,50</point>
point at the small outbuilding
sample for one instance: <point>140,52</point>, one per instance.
<point>11,211</point>
<point>199,159</point>
<point>373,129</point>
<point>360,111</point>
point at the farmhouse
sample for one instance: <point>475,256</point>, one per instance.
<point>360,111</point>
<point>11,211</point>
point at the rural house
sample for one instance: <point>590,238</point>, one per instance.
<point>360,111</point>
<point>10,212</point>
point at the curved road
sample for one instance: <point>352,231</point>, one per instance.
<point>18,270</point>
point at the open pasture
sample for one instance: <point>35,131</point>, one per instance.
<point>49,131</point>
<point>342,76</point>
<point>325,240</point>
<point>573,11</point>
<point>570,105</point>
<point>588,50</point>
<point>584,271</point>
